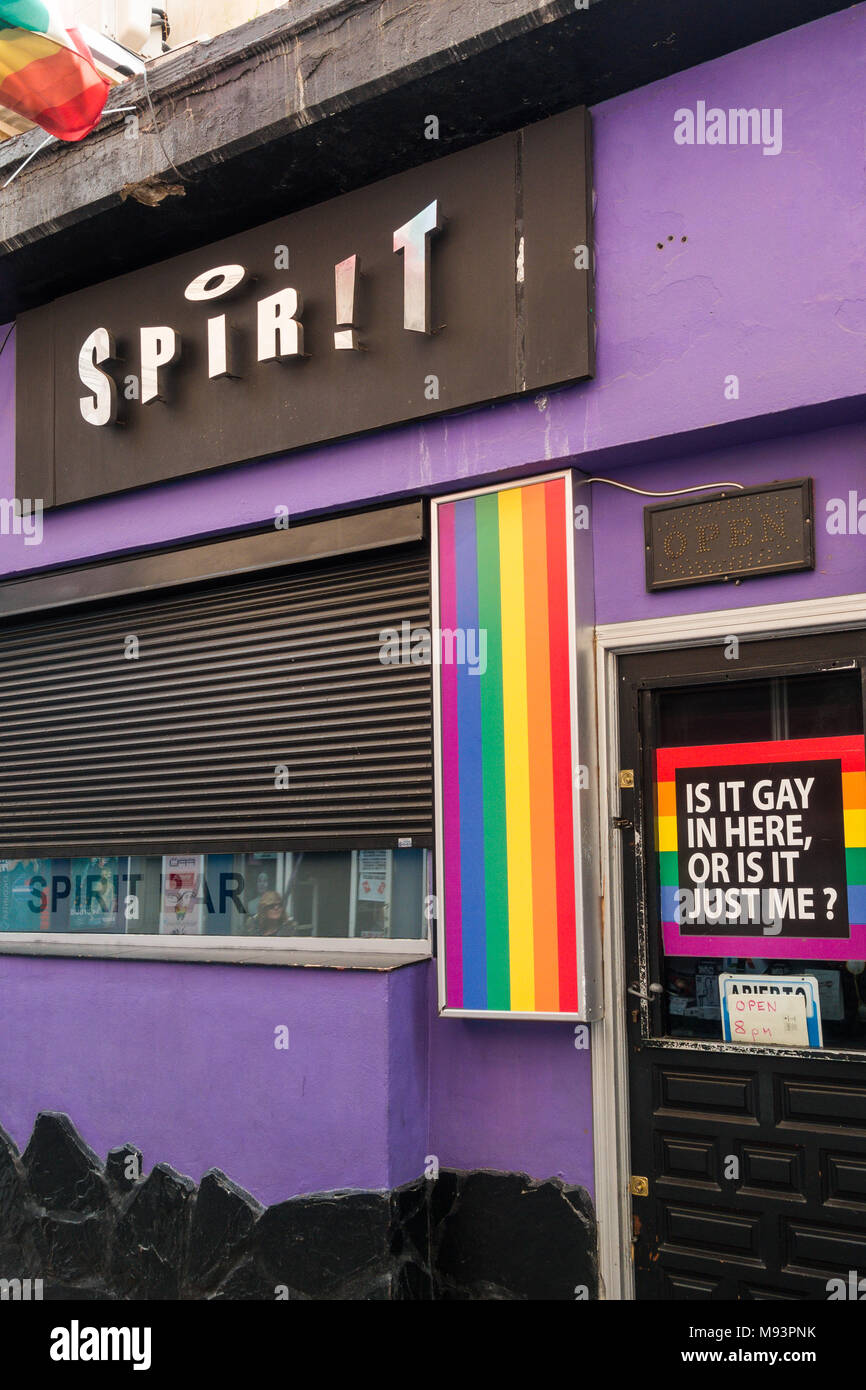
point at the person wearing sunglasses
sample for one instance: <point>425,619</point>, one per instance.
<point>271,918</point>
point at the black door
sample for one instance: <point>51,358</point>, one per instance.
<point>753,1151</point>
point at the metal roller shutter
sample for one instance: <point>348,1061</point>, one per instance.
<point>177,751</point>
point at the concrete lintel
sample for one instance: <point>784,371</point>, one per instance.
<point>316,98</point>
<point>246,88</point>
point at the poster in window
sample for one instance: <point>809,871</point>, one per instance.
<point>23,894</point>
<point>182,894</point>
<point>373,877</point>
<point>259,876</point>
<point>763,844</point>
<point>93,895</point>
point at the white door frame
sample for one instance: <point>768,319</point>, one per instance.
<point>611,1140</point>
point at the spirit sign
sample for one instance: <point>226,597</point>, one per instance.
<point>464,280</point>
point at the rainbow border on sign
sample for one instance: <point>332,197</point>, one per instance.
<point>850,751</point>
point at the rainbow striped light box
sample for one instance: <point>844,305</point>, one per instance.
<point>785,756</point>
<point>510,794</point>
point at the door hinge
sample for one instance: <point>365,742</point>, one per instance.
<point>620,823</point>
<point>638,1187</point>
<point>626,777</point>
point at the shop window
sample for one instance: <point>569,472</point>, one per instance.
<point>364,894</point>
<point>217,767</point>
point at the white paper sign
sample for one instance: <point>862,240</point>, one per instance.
<point>373,886</point>
<point>771,1010</point>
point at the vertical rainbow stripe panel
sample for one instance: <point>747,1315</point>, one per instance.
<point>47,73</point>
<point>849,750</point>
<point>507,813</point>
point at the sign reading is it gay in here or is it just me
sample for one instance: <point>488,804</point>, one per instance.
<point>762,849</point>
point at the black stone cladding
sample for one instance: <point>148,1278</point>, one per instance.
<point>106,1232</point>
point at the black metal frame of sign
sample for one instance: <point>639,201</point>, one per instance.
<point>730,535</point>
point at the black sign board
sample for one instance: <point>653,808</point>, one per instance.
<point>761,850</point>
<point>461,281</point>
<point>730,535</point>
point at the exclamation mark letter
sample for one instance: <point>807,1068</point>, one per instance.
<point>345,285</point>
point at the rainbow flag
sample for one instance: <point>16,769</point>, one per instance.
<point>506,804</point>
<point>47,73</point>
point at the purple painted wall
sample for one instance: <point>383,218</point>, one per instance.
<point>834,458</point>
<point>769,285</point>
<point>515,1096</point>
<point>409,1045</point>
<point>180,1060</point>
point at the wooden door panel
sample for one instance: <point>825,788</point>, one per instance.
<point>695,1218</point>
<point>706,1092</point>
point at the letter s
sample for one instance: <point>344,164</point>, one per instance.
<point>100,408</point>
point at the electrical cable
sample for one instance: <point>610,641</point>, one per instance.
<point>6,339</point>
<point>31,155</point>
<point>156,130</point>
<point>645,492</point>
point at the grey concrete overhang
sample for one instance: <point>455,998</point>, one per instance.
<point>321,96</point>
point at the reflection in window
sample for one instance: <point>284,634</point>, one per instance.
<point>366,894</point>
<point>694,1010</point>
